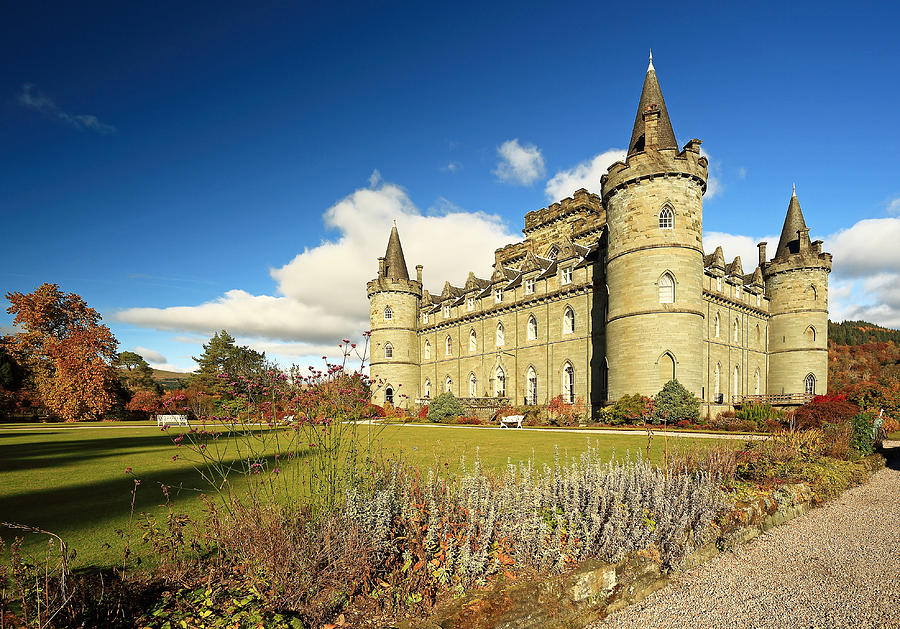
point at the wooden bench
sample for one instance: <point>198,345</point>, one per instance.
<point>511,421</point>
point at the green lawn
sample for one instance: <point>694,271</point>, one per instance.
<point>71,480</point>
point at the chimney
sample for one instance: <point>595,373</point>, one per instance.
<point>419,273</point>
<point>817,247</point>
<point>762,253</point>
<point>380,267</point>
<point>803,235</point>
<point>651,118</point>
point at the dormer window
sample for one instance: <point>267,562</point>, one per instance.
<point>446,312</point>
<point>498,295</point>
<point>529,287</point>
<point>554,251</point>
<point>758,300</point>
<point>667,218</point>
<point>424,317</point>
<point>388,313</point>
<point>567,276</point>
<point>719,284</point>
<point>470,304</point>
<point>737,291</point>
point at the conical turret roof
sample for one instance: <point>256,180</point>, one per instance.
<point>652,98</point>
<point>793,223</point>
<point>394,262</point>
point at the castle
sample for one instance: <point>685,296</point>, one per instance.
<point>611,295</point>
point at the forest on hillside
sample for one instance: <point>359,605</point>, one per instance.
<point>864,365</point>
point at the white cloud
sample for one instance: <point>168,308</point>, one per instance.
<point>452,167</point>
<point>31,99</point>
<point>519,164</point>
<point>321,295</point>
<point>866,248</point>
<point>742,173</point>
<point>584,175</point>
<point>894,206</point>
<point>150,355</point>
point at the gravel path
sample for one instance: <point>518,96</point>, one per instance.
<point>836,566</point>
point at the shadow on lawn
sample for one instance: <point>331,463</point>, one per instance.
<point>45,454</point>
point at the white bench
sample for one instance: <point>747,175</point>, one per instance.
<point>172,420</point>
<point>511,421</point>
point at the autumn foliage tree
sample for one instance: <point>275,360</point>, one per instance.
<point>67,351</point>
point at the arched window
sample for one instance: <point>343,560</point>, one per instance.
<point>810,384</point>
<point>666,218</point>
<point>499,383</point>
<point>473,341</point>
<point>389,395</point>
<point>810,334</point>
<point>448,346</point>
<point>666,369</point>
<point>427,351</point>
<point>428,388</point>
<point>473,385</point>
<point>531,386</point>
<point>448,385</point>
<point>756,381</point>
<point>388,313</point>
<point>532,328</point>
<point>569,321</point>
<point>758,336</point>
<point>812,292</point>
<point>736,385</point>
<point>569,383</point>
<point>667,289</point>
<point>388,350</point>
<point>736,330</point>
<point>717,325</point>
<point>501,337</point>
<point>716,382</point>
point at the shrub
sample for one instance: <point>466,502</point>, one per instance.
<point>443,407</point>
<point>763,415</point>
<point>890,425</point>
<point>674,404</point>
<point>423,412</point>
<point>471,420</point>
<point>628,409</point>
<point>718,460</point>
<point>863,441</point>
<point>373,410</point>
<point>562,414</point>
<point>824,410</point>
<point>837,440</point>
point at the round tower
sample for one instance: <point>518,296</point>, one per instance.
<point>654,205</point>
<point>797,288</point>
<point>393,316</point>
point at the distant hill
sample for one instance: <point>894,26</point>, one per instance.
<point>171,379</point>
<point>860,332</point>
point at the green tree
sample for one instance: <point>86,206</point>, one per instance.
<point>134,372</point>
<point>222,355</point>
<point>675,403</point>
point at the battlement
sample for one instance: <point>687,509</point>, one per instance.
<point>580,201</point>
<point>397,285</point>
<point>656,163</point>
<point>812,258</point>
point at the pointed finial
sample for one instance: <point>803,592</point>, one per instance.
<point>395,222</point>
<point>794,191</point>
<point>650,67</point>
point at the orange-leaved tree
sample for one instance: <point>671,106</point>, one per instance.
<point>68,351</point>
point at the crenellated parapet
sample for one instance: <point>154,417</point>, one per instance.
<point>581,202</point>
<point>655,164</point>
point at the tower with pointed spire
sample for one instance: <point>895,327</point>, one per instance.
<point>393,311</point>
<point>796,281</point>
<point>654,205</point>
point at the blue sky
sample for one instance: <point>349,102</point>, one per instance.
<point>185,169</point>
